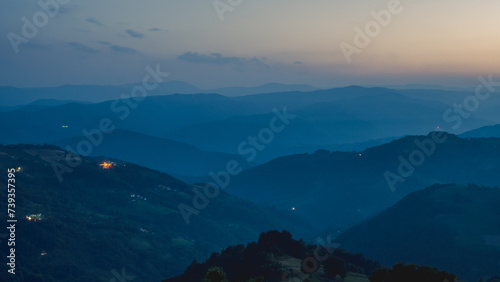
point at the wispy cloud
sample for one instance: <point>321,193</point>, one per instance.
<point>94,21</point>
<point>155,29</point>
<point>82,48</point>
<point>134,33</point>
<point>104,42</point>
<point>122,49</point>
<point>219,59</point>
<point>212,58</point>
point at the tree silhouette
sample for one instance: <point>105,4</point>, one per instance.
<point>215,274</point>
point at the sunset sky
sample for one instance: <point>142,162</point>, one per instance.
<point>288,41</point>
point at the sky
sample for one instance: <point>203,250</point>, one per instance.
<point>211,44</point>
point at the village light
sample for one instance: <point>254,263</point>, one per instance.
<point>106,165</point>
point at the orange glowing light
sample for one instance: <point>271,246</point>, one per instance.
<point>106,165</point>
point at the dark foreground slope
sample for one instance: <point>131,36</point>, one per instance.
<point>342,188</point>
<point>97,224</point>
<point>452,227</point>
<point>276,256</point>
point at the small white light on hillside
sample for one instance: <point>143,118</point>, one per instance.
<point>293,208</point>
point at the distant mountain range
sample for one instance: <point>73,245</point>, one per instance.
<point>125,218</point>
<point>351,118</point>
<point>452,227</point>
<point>348,119</point>
<point>12,96</point>
<point>325,119</point>
<point>37,105</point>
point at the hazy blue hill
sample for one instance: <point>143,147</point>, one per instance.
<point>378,115</point>
<point>483,132</point>
<point>226,136</point>
<point>326,119</point>
<point>165,155</point>
<point>296,99</point>
<point>39,104</point>
<point>154,116</point>
<point>46,124</point>
<point>451,227</point>
<point>342,188</point>
<point>266,88</point>
<point>11,96</point>
<point>97,220</point>
<point>46,103</point>
<point>93,93</point>
<point>442,95</point>
<point>486,111</point>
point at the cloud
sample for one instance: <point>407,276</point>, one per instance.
<point>104,42</point>
<point>82,48</point>
<point>298,63</point>
<point>135,34</point>
<point>122,49</point>
<point>155,29</point>
<point>212,58</point>
<point>94,21</point>
<point>219,59</point>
